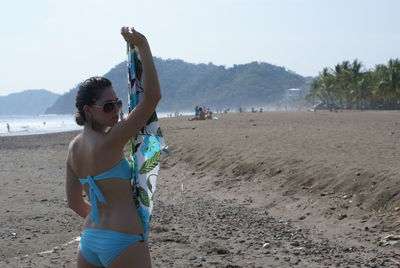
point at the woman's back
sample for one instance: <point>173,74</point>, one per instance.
<point>90,157</point>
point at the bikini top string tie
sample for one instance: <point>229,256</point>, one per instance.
<point>95,196</point>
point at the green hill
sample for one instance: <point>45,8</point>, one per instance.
<point>185,85</point>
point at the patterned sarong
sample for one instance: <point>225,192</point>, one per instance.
<point>146,146</point>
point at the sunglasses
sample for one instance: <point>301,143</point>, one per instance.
<point>108,107</point>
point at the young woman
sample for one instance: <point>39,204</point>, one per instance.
<point>112,233</point>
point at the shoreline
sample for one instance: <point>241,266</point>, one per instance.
<point>19,134</point>
<point>186,115</point>
<point>24,125</point>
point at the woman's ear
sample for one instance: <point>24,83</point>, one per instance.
<point>86,110</point>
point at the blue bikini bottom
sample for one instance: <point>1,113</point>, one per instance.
<point>100,247</point>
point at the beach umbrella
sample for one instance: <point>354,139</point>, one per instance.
<point>145,147</point>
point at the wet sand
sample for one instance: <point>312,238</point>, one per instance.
<point>274,189</point>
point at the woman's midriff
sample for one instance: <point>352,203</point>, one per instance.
<point>118,213</point>
<point>121,220</point>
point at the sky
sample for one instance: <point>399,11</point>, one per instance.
<point>56,44</point>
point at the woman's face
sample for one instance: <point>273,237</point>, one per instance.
<point>105,118</point>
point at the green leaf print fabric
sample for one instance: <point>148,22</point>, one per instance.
<point>146,146</point>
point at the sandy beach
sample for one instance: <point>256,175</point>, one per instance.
<point>272,189</point>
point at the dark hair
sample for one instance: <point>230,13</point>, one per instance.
<point>89,92</point>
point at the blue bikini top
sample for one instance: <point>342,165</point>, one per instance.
<point>122,171</point>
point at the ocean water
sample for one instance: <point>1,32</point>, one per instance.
<point>40,124</point>
<point>36,124</point>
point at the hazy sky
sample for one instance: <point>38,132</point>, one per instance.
<point>55,44</point>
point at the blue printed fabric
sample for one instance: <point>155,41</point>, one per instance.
<point>146,146</point>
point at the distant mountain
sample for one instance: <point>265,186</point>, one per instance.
<point>185,85</point>
<point>28,102</point>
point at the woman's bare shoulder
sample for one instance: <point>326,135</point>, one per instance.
<point>74,143</point>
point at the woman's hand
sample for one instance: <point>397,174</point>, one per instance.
<point>121,133</point>
<point>133,37</point>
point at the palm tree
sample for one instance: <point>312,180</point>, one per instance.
<point>342,83</point>
<point>393,82</point>
<point>322,87</point>
<point>389,83</point>
<point>351,87</point>
<point>355,75</point>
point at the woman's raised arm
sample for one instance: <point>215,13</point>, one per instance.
<point>137,118</point>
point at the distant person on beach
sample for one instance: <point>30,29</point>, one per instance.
<point>201,116</point>
<point>8,127</point>
<point>112,233</point>
<point>209,115</point>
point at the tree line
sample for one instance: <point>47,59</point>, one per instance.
<point>349,86</point>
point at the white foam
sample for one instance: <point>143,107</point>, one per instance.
<point>36,124</point>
